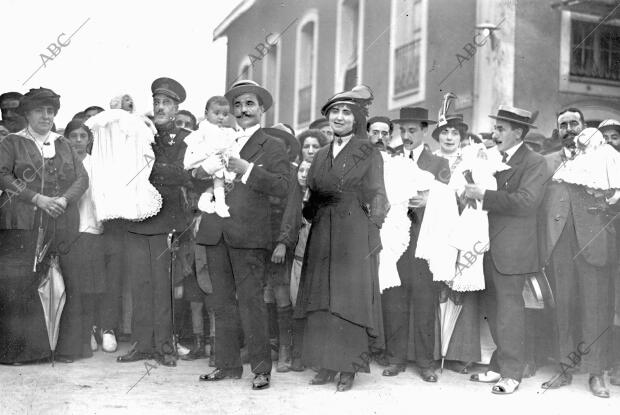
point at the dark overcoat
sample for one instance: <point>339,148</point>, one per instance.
<point>347,192</point>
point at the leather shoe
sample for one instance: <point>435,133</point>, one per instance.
<point>428,374</point>
<point>167,359</point>
<point>297,365</point>
<point>393,370</point>
<point>261,381</point>
<point>559,380</point>
<point>529,370</point>
<point>345,382</point>
<point>133,356</point>
<point>221,374</point>
<point>614,376</point>
<point>63,359</point>
<point>598,387</point>
<point>323,376</point>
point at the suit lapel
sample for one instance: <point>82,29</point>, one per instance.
<point>425,160</point>
<point>253,146</point>
<point>515,161</point>
<point>35,157</point>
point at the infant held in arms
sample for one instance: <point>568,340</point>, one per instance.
<point>209,141</point>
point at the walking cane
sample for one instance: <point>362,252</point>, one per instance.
<point>170,242</point>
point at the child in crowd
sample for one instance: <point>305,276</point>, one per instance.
<point>213,138</point>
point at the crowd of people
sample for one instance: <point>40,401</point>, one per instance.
<point>326,249</point>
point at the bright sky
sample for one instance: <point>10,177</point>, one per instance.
<point>121,48</point>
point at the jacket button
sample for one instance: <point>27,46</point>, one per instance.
<point>557,218</point>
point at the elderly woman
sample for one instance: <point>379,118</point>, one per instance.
<point>338,293</point>
<point>42,179</point>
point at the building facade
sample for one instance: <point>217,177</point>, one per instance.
<point>540,55</point>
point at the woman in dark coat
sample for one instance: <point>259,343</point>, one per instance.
<point>338,294</point>
<point>42,179</point>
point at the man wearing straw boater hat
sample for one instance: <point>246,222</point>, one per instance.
<point>579,250</point>
<point>513,251</point>
<point>239,246</point>
<point>413,303</point>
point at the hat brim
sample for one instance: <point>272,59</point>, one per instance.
<point>609,127</point>
<point>264,95</point>
<point>461,126</point>
<point>499,117</point>
<point>403,120</point>
<point>290,139</point>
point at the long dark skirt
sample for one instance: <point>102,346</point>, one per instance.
<point>465,340</point>
<point>87,262</point>
<point>334,343</point>
<point>23,333</point>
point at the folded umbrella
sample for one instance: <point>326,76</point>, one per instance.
<point>53,297</point>
<point>449,314</point>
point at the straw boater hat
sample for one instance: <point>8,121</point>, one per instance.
<point>249,87</point>
<point>609,125</point>
<point>515,115</point>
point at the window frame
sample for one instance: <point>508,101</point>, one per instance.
<point>245,62</point>
<point>276,92</point>
<point>338,80</point>
<point>311,15</point>
<point>419,96</point>
<point>566,84</point>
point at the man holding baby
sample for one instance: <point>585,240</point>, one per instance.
<point>238,246</point>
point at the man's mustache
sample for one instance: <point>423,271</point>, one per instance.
<point>568,139</point>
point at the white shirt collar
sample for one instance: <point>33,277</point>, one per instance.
<point>567,152</point>
<point>248,132</point>
<point>242,136</point>
<point>512,150</point>
<point>338,147</point>
<point>47,150</point>
<point>416,152</point>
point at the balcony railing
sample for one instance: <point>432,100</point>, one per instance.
<point>304,104</point>
<point>407,68</point>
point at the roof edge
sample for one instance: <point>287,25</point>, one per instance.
<point>241,8</point>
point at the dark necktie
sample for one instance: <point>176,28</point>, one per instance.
<point>504,156</point>
<point>411,156</point>
<point>339,141</point>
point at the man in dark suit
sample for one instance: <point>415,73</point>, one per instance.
<point>513,252</point>
<point>579,250</point>
<point>409,310</point>
<point>239,246</point>
<point>147,254</point>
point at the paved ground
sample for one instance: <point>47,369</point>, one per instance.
<point>101,386</point>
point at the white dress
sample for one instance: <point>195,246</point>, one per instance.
<point>403,179</point>
<point>121,162</point>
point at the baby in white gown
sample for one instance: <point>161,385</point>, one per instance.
<point>208,141</point>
